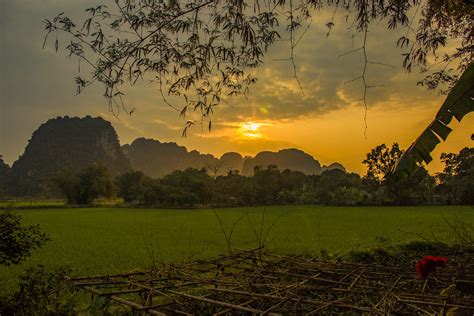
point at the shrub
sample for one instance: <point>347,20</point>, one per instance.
<point>17,242</point>
<point>42,293</point>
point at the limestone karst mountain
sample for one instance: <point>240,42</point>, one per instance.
<point>66,143</point>
<point>231,161</point>
<point>155,159</point>
<point>292,158</point>
<point>4,173</point>
<point>73,143</point>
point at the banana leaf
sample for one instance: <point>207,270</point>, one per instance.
<point>458,103</point>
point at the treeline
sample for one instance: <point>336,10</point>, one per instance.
<point>193,187</point>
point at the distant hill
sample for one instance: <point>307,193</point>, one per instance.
<point>155,159</point>
<point>230,162</point>
<point>72,143</point>
<point>66,143</point>
<point>4,172</point>
<point>334,165</point>
<point>293,159</point>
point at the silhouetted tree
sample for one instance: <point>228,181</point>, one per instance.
<point>131,186</point>
<point>457,179</point>
<point>86,185</point>
<point>234,189</point>
<point>387,188</point>
<point>267,184</point>
<point>188,187</point>
<point>205,50</point>
<point>336,187</point>
<point>415,189</point>
<point>17,241</point>
<point>380,161</point>
<point>292,185</point>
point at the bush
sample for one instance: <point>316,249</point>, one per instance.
<point>17,242</point>
<point>42,293</point>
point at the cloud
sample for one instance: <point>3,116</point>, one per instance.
<point>38,84</point>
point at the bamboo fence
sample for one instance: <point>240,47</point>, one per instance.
<point>256,282</point>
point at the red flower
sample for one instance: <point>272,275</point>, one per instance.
<point>429,264</point>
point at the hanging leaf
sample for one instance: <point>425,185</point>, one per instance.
<point>458,103</point>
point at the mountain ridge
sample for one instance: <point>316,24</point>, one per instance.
<point>63,143</point>
<point>152,157</point>
<point>74,143</point>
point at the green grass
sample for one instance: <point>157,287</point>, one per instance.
<point>110,240</point>
<point>34,204</point>
<point>12,204</point>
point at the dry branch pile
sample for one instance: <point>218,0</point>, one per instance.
<point>255,282</point>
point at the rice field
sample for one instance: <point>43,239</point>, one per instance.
<point>111,240</point>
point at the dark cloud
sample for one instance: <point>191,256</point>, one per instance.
<point>325,74</point>
<point>38,84</point>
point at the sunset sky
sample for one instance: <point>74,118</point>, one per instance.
<point>326,122</point>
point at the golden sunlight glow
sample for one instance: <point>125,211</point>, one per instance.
<point>250,130</point>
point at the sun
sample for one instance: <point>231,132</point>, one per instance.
<point>250,130</point>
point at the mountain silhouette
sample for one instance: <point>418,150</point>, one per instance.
<point>4,173</point>
<point>156,159</point>
<point>231,161</point>
<point>61,143</point>
<point>292,158</point>
<point>73,143</point>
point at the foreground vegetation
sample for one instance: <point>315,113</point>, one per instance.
<point>108,240</point>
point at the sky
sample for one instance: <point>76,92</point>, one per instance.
<point>327,121</point>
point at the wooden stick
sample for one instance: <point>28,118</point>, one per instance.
<point>316,311</point>
<point>356,279</point>
<point>105,276</point>
<point>435,304</point>
<point>210,301</point>
<point>125,302</point>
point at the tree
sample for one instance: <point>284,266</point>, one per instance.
<point>457,179</point>
<point>415,189</point>
<point>86,185</point>
<point>386,187</point>
<point>292,184</point>
<point>188,187</point>
<point>267,184</point>
<point>336,187</point>
<point>154,192</point>
<point>16,241</point>
<point>461,164</point>
<point>205,50</point>
<point>234,189</point>
<point>380,161</point>
<point>131,186</point>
